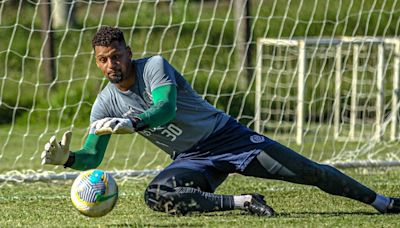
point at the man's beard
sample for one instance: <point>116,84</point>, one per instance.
<point>117,78</point>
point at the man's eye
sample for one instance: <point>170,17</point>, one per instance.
<point>103,60</point>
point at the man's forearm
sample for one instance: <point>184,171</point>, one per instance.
<point>163,110</point>
<point>91,155</point>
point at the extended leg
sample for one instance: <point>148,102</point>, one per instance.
<point>280,162</point>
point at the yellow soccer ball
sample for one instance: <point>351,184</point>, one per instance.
<point>94,193</point>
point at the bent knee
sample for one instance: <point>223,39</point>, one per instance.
<point>153,197</point>
<point>161,198</point>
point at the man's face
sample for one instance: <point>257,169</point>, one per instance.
<point>114,61</point>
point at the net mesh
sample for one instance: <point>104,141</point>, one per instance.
<point>200,39</point>
<point>348,101</point>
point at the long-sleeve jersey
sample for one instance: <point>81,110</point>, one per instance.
<point>195,118</point>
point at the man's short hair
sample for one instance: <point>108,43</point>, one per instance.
<point>106,35</point>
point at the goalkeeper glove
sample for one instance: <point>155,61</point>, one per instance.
<point>113,126</point>
<point>57,153</point>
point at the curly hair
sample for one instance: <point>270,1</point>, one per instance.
<point>106,35</point>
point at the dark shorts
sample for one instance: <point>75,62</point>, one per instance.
<point>228,150</point>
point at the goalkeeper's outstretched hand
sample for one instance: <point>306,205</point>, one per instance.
<point>113,126</point>
<point>57,153</point>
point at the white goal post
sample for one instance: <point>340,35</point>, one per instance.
<point>369,66</point>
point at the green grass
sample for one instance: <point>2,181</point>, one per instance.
<point>47,204</point>
<point>198,42</point>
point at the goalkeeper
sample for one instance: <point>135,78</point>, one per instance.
<point>150,97</point>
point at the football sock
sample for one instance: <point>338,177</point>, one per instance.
<point>239,201</point>
<point>381,203</point>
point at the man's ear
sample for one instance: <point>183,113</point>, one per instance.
<point>128,49</point>
<point>95,59</point>
<point>97,64</point>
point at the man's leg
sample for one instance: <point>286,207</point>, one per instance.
<point>183,190</point>
<point>280,162</point>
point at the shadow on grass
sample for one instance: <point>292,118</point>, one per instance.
<point>283,214</point>
<point>325,214</point>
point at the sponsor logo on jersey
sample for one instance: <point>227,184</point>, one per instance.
<point>257,139</point>
<point>131,111</point>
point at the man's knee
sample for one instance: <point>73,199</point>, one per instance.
<point>155,197</point>
<point>318,174</point>
<point>315,173</point>
<point>162,198</point>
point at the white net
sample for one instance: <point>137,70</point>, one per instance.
<point>319,91</point>
<point>202,40</point>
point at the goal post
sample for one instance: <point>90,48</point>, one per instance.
<point>396,89</point>
<point>346,91</point>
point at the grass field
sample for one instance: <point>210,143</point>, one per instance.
<point>48,205</point>
<point>199,39</point>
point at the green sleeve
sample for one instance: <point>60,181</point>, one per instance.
<point>163,110</point>
<point>92,153</point>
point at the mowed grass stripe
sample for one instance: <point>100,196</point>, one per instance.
<point>48,204</point>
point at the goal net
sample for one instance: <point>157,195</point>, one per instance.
<point>338,96</point>
<point>318,76</point>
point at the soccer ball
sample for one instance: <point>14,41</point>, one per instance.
<point>94,193</point>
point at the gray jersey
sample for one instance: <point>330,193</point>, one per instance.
<point>195,118</point>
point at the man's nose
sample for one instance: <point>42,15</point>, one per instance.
<point>111,63</point>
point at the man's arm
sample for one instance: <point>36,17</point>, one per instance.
<point>161,112</point>
<point>89,157</point>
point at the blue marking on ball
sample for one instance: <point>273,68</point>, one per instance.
<point>96,176</point>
